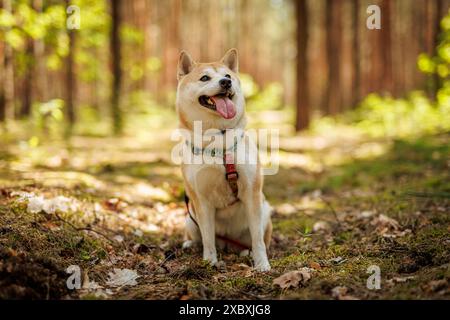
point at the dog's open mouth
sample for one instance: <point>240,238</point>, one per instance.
<point>222,103</point>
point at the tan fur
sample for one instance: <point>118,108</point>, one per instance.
<point>248,220</point>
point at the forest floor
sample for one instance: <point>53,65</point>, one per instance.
<point>342,204</point>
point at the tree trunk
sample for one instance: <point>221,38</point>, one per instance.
<point>9,74</point>
<point>2,76</point>
<point>41,76</point>
<point>385,47</point>
<point>356,54</point>
<point>334,46</point>
<point>27,89</point>
<point>115,66</point>
<point>70,81</point>
<point>302,119</point>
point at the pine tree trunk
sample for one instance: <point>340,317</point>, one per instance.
<point>356,54</point>
<point>115,66</point>
<point>385,47</point>
<point>2,76</point>
<point>302,119</point>
<point>27,84</point>
<point>334,45</point>
<point>9,74</point>
<point>70,81</point>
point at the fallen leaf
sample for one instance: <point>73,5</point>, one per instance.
<point>35,204</point>
<point>436,285</point>
<point>365,214</point>
<point>114,204</point>
<point>293,278</point>
<point>341,293</point>
<point>315,265</point>
<point>388,227</point>
<point>383,221</point>
<point>338,291</point>
<point>122,277</point>
<point>286,209</point>
<point>51,226</point>
<point>321,226</point>
<point>118,238</point>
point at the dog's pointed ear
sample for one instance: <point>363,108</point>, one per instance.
<point>185,64</point>
<point>230,59</point>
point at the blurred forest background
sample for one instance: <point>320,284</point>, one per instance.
<point>86,117</point>
<point>307,59</point>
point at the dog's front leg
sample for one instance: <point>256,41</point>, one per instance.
<point>253,208</point>
<point>206,220</point>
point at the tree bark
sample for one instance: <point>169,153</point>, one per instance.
<point>303,114</point>
<point>9,74</point>
<point>70,80</point>
<point>385,47</point>
<point>27,84</point>
<point>2,76</point>
<point>115,46</point>
<point>356,54</point>
<point>334,46</point>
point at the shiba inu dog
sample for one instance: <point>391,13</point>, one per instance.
<point>226,204</point>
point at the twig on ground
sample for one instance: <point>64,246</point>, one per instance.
<point>83,228</point>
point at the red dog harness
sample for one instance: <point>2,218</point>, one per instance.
<point>231,175</point>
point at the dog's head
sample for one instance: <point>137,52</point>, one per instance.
<point>210,92</point>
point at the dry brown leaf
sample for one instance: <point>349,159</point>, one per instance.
<point>315,265</point>
<point>293,278</point>
<point>388,227</point>
<point>383,221</point>
<point>114,204</point>
<point>436,285</point>
<point>340,293</point>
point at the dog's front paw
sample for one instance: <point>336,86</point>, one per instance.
<point>211,258</point>
<point>262,267</point>
<point>261,261</point>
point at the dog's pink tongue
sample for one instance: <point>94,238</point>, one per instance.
<point>225,107</point>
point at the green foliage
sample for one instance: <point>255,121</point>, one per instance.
<point>268,98</point>
<point>48,117</point>
<point>439,63</point>
<point>379,116</point>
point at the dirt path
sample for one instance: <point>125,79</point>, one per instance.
<point>342,206</point>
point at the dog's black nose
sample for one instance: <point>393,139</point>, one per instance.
<point>225,83</point>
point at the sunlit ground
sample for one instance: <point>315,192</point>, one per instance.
<point>342,202</point>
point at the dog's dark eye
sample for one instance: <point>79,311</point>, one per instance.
<point>228,76</point>
<point>205,78</point>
